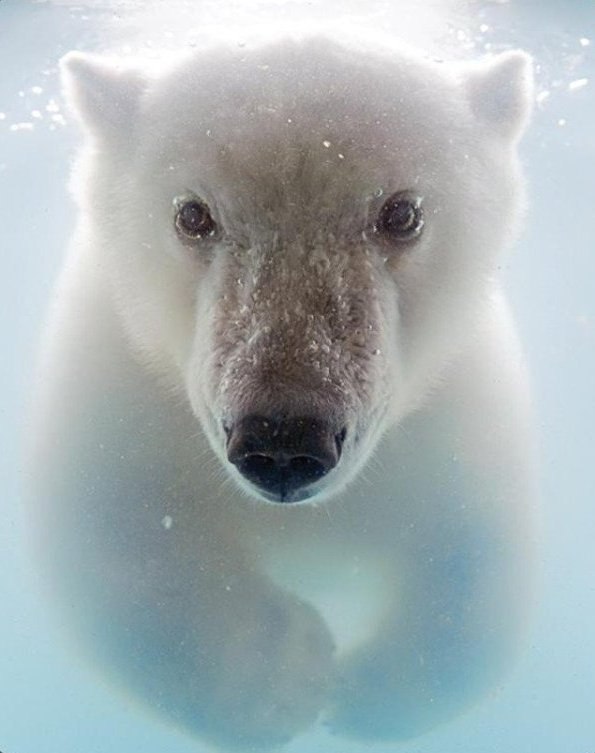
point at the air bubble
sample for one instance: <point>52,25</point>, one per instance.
<point>542,97</point>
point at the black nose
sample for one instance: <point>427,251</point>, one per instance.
<point>282,457</point>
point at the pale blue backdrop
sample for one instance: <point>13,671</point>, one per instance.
<point>49,701</point>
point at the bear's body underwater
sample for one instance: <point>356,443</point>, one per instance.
<point>279,350</point>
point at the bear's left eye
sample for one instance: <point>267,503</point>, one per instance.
<point>193,218</point>
<point>401,217</point>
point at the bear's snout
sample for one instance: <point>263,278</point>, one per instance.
<point>283,457</point>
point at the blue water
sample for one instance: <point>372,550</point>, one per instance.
<point>49,701</point>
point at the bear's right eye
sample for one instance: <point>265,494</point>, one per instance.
<point>193,218</point>
<point>401,218</point>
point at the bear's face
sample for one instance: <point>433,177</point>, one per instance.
<point>300,236</point>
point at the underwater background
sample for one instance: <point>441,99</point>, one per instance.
<point>50,701</point>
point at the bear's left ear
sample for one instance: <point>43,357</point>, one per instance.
<point>104,93</point>
<point>500,92</point>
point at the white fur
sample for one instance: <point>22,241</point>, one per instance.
<point>185,587</point>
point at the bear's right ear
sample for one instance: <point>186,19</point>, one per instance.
<point>500,92</point>
<point>104,94</point>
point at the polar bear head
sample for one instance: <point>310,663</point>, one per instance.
<point>300,235</point>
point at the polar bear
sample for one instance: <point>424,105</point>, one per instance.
<point>279,357</point>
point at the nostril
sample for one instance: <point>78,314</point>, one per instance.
<point>257,467</point>
<point>307,468</point>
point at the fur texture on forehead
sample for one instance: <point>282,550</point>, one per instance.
<point>310,114</point>
<point>335,122</point>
